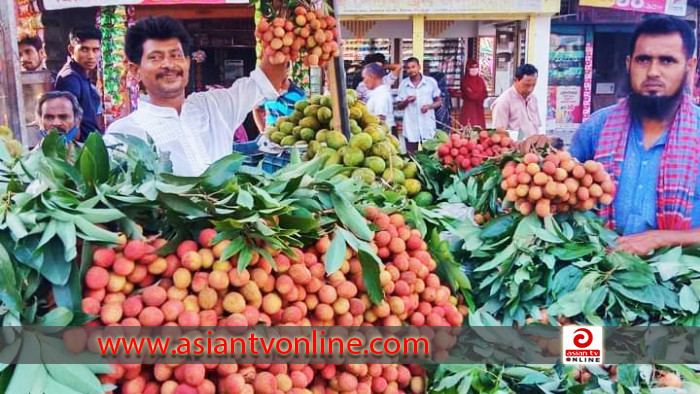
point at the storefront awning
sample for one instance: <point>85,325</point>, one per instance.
<point>669,7</point>
<point>63,4</point>
<point>411,7</point>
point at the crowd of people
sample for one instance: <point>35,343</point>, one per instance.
<point>425,100</point>
<point>649,141</point>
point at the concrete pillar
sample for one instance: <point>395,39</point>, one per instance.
<point>538,30</point>
<point>418,37</point>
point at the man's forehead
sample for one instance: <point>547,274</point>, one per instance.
<point>660,44</point>
<point>152,45</point>
<point>25,47</point>
<point>91,43</point>
<point>58,104</point>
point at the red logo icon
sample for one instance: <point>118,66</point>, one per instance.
<point>582,345</point>
<point>584,339</point>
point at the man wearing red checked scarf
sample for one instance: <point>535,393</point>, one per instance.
<point>650,142</point>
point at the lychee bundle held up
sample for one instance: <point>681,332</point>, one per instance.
<point>306,33</point>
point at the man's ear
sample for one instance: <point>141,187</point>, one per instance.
<point>70,49</point>
<point>692,66</point>
<point>628,62</point>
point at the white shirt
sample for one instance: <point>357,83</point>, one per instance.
<point>381,102</point>
<point>419,126</point>
<point>203,131</point>
<point>363,92</point>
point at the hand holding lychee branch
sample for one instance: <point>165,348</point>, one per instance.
<point>310,34</point>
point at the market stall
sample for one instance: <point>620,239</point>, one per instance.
<point>500,36</point>
<point>473,230</point>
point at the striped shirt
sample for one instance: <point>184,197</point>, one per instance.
<point>284,105</point>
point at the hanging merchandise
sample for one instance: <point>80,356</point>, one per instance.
<point>28,19</point>
<point>113,24</point>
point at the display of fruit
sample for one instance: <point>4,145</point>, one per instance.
<point>556,183</point>
<point>371,152</point>
<point>464,152</point>
<point>131,286</point>
<point>302,32</point>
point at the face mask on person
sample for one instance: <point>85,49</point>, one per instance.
<point>473,72</point>
<point>67,136</point>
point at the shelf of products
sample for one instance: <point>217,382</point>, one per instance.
<point>354,52</point>
<point>221,33</point>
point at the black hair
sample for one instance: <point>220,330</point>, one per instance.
<point>412,60</point>
<point>34,41</point>
<point>77,109</point>
<point>154,28</point>
<point>556,143</point>
<point>665,25</point>
<point>525,69</point>
<point>374,69</point>
<point>83,33</point>
<point>375,58</point>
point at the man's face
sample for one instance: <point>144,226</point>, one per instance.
<point>658,65</point>
<point>86,53</point>
<point>369,80</point>
<point>29,57</point>
<point>164,68</point>
<point>526,85</point>
<point>58,113</point>
<point>412,69</point>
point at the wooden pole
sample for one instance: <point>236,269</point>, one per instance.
<point>10,80</point>
<point>336,82</point>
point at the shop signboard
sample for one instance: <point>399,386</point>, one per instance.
<point>669,7</point>
<point>62,4</point>
<point>365,7</point>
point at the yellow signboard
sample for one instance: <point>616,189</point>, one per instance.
<point>366,7</point>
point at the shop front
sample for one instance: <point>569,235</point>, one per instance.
<point>500,35</point>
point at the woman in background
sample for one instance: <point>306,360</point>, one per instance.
<point>473,95</point>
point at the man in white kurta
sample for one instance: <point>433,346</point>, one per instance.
<point>419,96</point>
<point>199,129</point>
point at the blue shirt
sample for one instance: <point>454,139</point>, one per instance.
<point>635,200</point>
<point>284,105</point>
<point>73,78</point>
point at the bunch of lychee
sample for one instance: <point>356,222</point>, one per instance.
<point>132,286</point>
<point>311,35</point>
<point>463,152</point>
<point>415,294</point>
<point>557,183</point>
<point>267,378</point>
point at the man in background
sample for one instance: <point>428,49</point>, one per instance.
<point>85,52</point>
<point>419,96</point>
<point>381,102</point>
<point>517,108</point>
<point>59,111</point>
<point>388,78</point>
<point>31,53</point>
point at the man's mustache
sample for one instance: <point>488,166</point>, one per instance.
<point>165,72</point>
